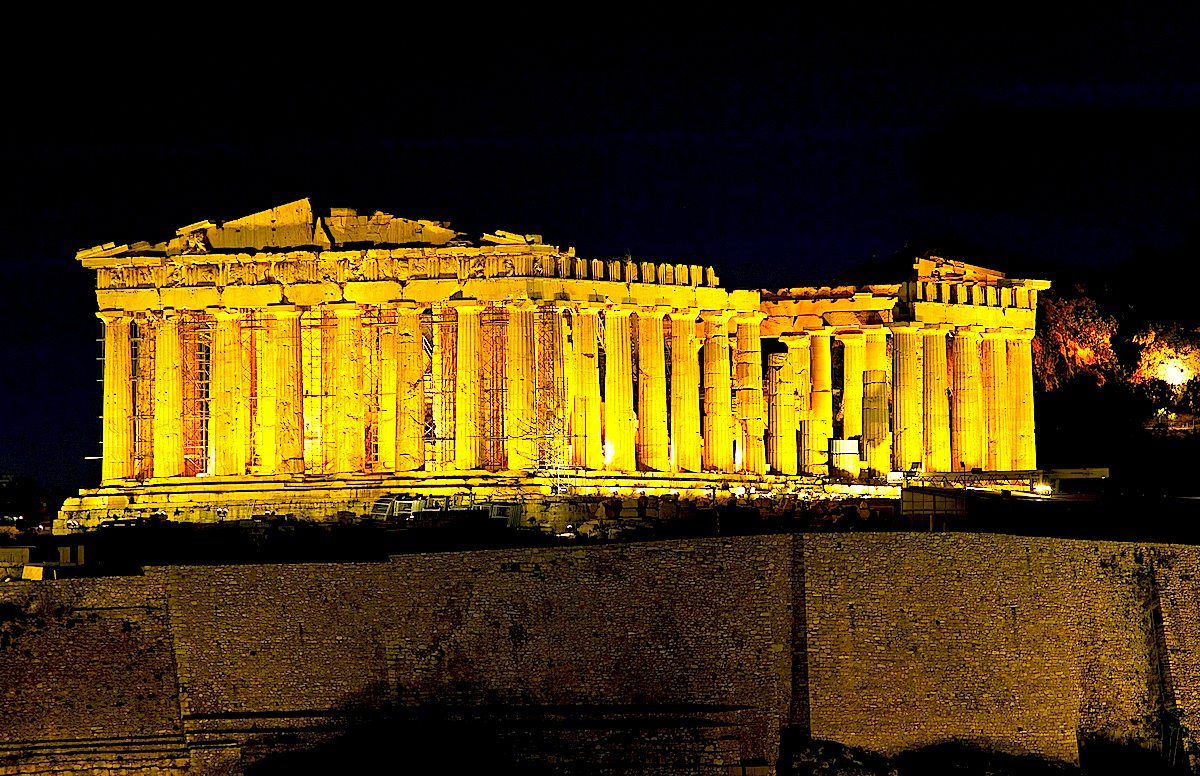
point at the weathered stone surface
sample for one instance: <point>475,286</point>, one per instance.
<point>352,279</point>
<point>1021,644</point>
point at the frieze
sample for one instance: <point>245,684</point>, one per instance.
<point>370,265</point>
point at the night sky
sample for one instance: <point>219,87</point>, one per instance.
<point>782,158</point>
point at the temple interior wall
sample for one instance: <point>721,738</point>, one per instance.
<point>1018,643</point>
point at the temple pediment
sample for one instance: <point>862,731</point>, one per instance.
<point>289,226</point>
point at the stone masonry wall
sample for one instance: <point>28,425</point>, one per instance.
<point>683,622</point>
<point>1017,643</point>
<point>87,673</point>
<point>885,641</point>
<point>1177,573</point>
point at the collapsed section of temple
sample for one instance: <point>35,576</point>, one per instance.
<point>285,362</point>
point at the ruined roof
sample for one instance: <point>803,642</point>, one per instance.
<point>287,226</point>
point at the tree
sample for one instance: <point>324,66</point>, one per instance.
<point>1074,339</point>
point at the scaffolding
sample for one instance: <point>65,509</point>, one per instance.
<point>439,331</point>
<point>250,343</point>
<point>378,330</point>
<point>197,341</point>
<point>494,347</point>
<point>552,437</point>
<point>141,337</point>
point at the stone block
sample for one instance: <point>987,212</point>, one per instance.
<point>373,291</point>
<point>309,294</point>
<point>252,296</point>
<point>128,299</point>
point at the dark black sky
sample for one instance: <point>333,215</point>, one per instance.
<point>783,157</point>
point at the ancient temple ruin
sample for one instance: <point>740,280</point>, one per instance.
<point>289,363</point>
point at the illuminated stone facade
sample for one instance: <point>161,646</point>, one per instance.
<point>284,362</point>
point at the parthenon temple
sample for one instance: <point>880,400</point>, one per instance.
<point>289,362</point>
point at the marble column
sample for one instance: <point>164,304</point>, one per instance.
<point>468,393</point>
<point>997,412</point>
<point>966,428</point>
<point>685,393</point>
<point>1020,385</point>
<point>718,395</point>
<point>652,441</point>
<point>226,372</point>
<point>410,391</point>
<point>853,358</point>
<point>350,432</point>
<point>800,355</point>
<point>118,397</point>
<point>619,424</point>
<point>935,400</point>
<point>289,391</point>
<point>168,397</point>
<point>875,404</point>
<point>749,386</point>
<point>587,444</point>
<point>818,429</point>
<point>520,422</point>
<point>781,418</point>
<point>907,411</point>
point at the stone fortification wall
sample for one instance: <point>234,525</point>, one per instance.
<point>927,637</point>
<point>87,676</point>
<point>885,641</point>
<point>653,625</point>
<point>1177,581</point>
<point>1018,643</point>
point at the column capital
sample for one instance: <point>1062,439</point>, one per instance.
<point>717,316</point>
<point>753,316</point>
<point>621,311</point>
<point>970,329</point>
<point>850,336</point>
<point>654,309</point>
<point>905,326</point>
<point>799,339</point>
<point>112,316</point>
<point>684,313</point>
<point>404,305</point>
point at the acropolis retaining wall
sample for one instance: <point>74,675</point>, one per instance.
<point>885,641</point>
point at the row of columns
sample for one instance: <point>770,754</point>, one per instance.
<point>981,417</point>
<point>973,411</point>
